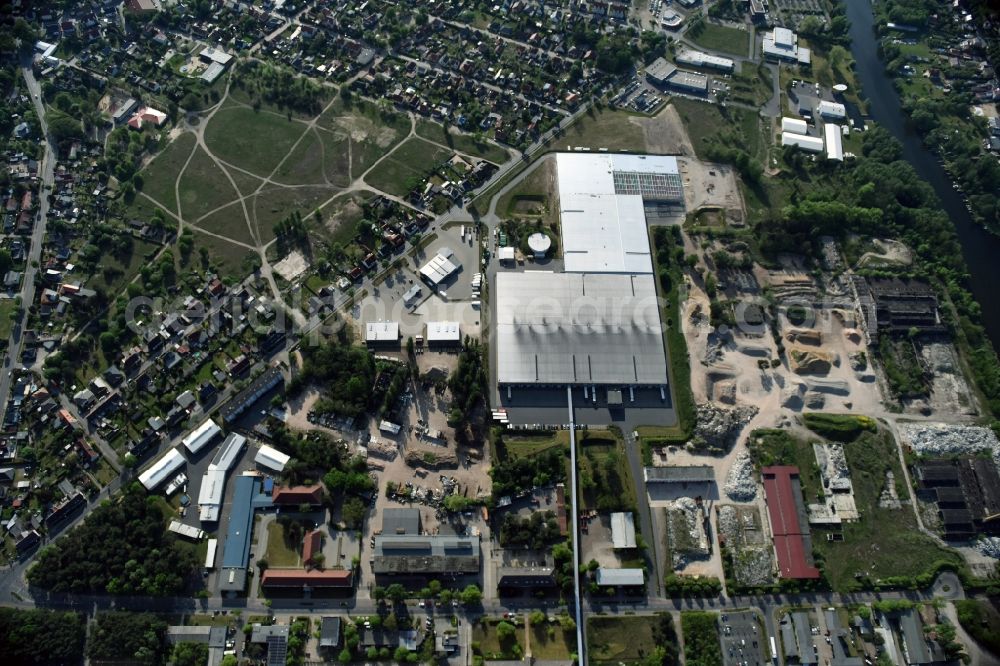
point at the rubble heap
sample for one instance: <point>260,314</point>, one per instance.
<point>942,439</point>
<point>740,485</point>
<point>718,427</point>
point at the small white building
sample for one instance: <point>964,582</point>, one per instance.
<point>833,110</point>
<point>794,125</point>
<point>607,577</point>
<point>440,268</point>
<point>201,436</point>
<point>506,255</point>
<point>834,142</point>
<point>271,458</point>
<point>811,144</point>
<point>622,530</point>
<point>443,334</point>
<point>162,469</point>
<point>382,333</point>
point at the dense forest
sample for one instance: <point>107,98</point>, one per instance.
<point>514,476</point>
<point>41,637</point>
<point>346,373</point>
<point>123,547</point>
<point>129,637</point>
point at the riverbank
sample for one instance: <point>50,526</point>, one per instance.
<point>979,248</point>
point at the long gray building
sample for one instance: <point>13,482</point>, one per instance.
<point>402,550</point>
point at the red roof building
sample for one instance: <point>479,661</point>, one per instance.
<point>784,497</point>
<point>312,545</point>
<point>301,578</point>
<point>297,495</point>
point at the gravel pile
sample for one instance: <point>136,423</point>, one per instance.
<point>941,439</point>
<point>989,546</point>
<point>718,427</point>
<point>740,485</point>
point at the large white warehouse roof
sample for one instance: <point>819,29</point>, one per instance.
<point>162,469</point>
<point>196,440</point>
<point>794,125</point>
<point>573,328</point>
<point>601,199</point>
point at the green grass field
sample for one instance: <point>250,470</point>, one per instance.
<point>407,164</point>
<point>604,128</point>
<point>721,38</point>
<point>373,133</point>
<point>272,205</point>
<point>278,553</point>
<point>7,306</point>
<point>160,174</point>
<point>463,143</point>
<point>321,158</point>
<point>484,633</point>
<point>703,121</point>
<point>624,639</point>
<point>226,257</point>
<point>203,187</point>
<point>254,141</point>
<point>341,216</point>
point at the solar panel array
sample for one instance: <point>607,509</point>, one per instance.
<point>653,186</point>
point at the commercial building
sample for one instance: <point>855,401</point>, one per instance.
<point>834,142</point>
<point>271,459</point>
<point>440,268</point>
<point>201,436</point>
<point>526,577</point>
<point>382,334</point>
<point>187,531</point>
<point>700,59</point>
<point>680,474</point>
<point>401,549</point>
<point>831,110</point>
<point>583,329</point>
<point>247,497</point>
<point>213,548</point>
<point>443,334</point>
<point>329,632</point>
<point>783,44</point>
<point>607,577</point>
<point>246,398</point>
<point>602,213</point>
<point>622,530</point>
<point>275,637</point>
<point>162,469</point>
<point>811,144</point>
<point>296,495</point>
<point>792,543</point>
<point>301,578</point>
<point>665,74</point>
<point>213,483</point>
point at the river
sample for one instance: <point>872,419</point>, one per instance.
<point>980,247</point>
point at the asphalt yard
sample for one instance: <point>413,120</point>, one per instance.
<point>742,639</point>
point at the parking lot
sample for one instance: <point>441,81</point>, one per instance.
<point>742,638</point>
<point>639,96</point>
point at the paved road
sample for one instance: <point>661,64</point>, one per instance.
<point>47,177</point>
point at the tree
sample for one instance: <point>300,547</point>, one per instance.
<point>537,617</point>
<point>471,595</point>
<point>506,631</point>
<point>190,654</point>
<point>396,592</point>
<point>345,656</point>
<point>229,660</point>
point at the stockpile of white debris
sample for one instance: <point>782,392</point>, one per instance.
<point>942,439</point>
<point>740,485</point>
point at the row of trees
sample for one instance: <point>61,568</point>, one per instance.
<point>514,476</point>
